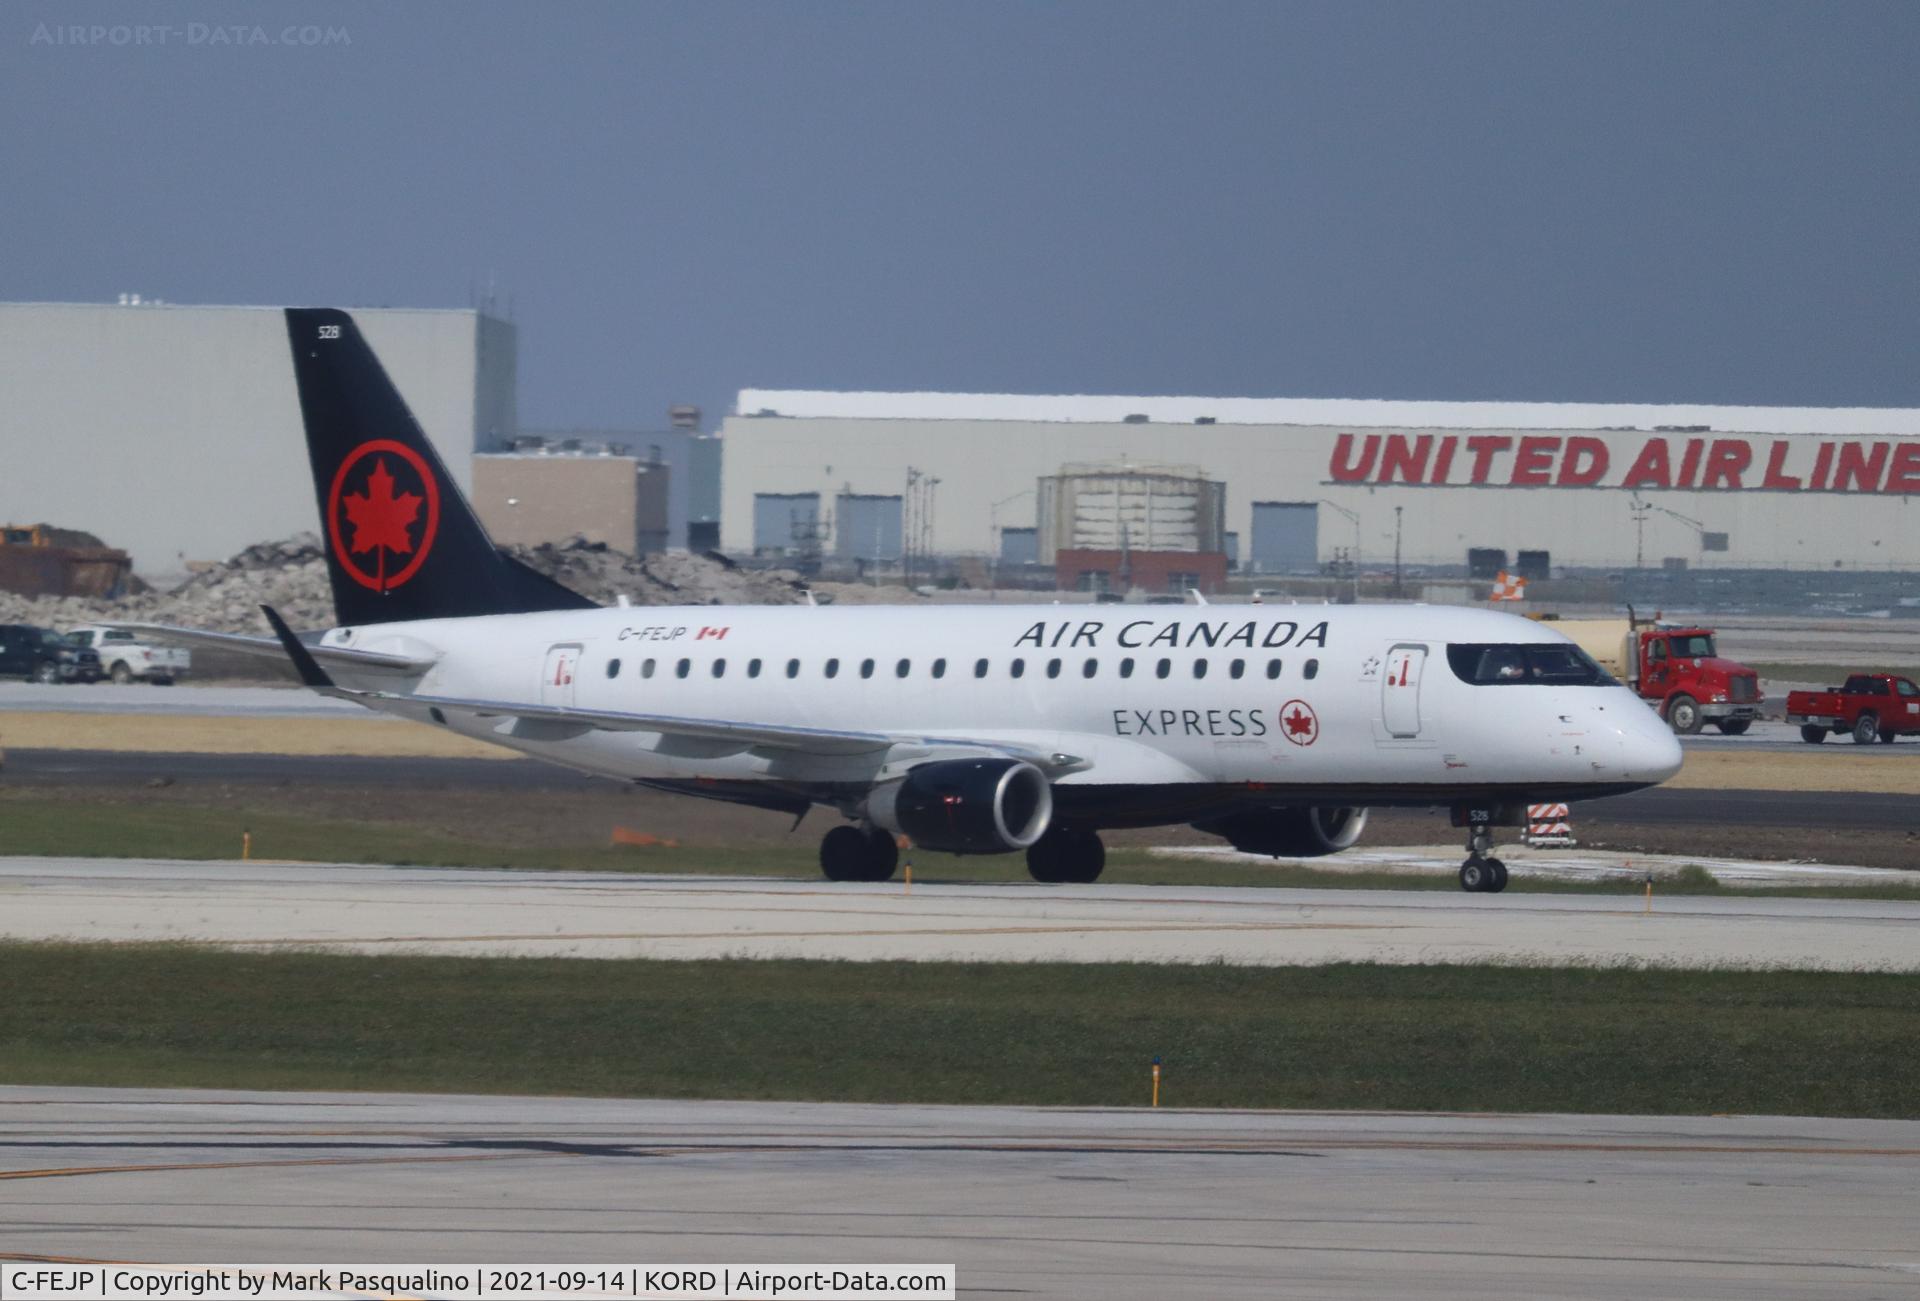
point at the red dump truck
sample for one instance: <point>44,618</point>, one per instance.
<point>1868,706</point>
<point>1674,667</point>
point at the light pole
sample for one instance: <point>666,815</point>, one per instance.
<point>1396,553</point>
<point>1354,559</point>
<point>993,529</point>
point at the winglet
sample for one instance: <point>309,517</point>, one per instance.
<point>303,662</point>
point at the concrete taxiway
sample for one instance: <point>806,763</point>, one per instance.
<point>1045,1203</point>
<point>179,701</point>
<point>599,915</point>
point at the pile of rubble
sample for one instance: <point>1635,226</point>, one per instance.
<point>600,573</point>
<point>291,576</point>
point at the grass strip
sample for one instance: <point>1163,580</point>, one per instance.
<point>1344,1036</point>
<point>31,825</point>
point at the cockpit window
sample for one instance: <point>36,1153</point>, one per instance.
<point>1542,665</point>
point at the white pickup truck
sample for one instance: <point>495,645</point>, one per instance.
<point>125,658</point>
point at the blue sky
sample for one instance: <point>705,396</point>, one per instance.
<point>1668,202</point>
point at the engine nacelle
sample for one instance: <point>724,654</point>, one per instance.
<point>1291,833</point>
<point>967,806</point>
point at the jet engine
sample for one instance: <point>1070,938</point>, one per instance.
<point>966,806</point>
<point>1291,833</point>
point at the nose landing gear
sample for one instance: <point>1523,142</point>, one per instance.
<point>1482,873</point>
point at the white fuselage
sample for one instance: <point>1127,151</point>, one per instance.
<point>1358,703</point>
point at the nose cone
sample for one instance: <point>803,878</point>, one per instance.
<point>1650,750</point>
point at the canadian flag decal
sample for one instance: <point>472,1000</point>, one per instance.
<point>706,632</point>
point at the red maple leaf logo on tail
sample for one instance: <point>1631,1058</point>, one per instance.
<point>381,519</point>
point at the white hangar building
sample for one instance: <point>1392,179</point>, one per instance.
<point>1595,486</point>
<point>174,432</point>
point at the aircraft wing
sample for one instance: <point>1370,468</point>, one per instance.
<point>272,648</point>
<point>822,741</point>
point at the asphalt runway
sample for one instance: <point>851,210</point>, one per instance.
<point>1120,1204</point>
<point>601,915</point>
<point>108,768</point>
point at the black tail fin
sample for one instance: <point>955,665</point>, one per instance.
<point>401,541</point>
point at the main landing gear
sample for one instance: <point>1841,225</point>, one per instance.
<point>849,853</point>
<point>1481,872</point>
<point>1065,856</point>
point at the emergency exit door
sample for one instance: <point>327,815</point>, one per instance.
<point>556,683</point>
<point>1400,690</point>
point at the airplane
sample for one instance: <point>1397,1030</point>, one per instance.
<point>1016,728</point>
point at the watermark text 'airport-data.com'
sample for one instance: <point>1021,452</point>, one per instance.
<point>202,36</point>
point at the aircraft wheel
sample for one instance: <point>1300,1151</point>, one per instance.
<point>1047,859</point>
<point>1065,856</point>
<point>1496,876</point>
<point>849,854</point>
<point>1474,875</point>
<point>883,854</point>
<point>1086,857</point>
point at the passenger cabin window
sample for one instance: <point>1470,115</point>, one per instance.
<point>719,668</point>
<point>866,668</point>
<point>1016,668</point>
<point>979,668</point>
<point>901,669</point>
<point>1237,669</point>
<point>1310,670</point>
<point>1053,668</point>
<point>613,668</point>
<point>1537,665</point>
<point>1126,667</point>
<point>753,668</point>
<point>1273,669</point>
<point>793,668</point>
<point>683,668</point>
<point>646,668</point>
<point>939,668</point>
<point>833,668</point>
<point>1199,668</point>
<point>1163,668</point>
<point>1091,667</point>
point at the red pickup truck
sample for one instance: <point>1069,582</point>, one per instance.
<point>1868,705</point>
